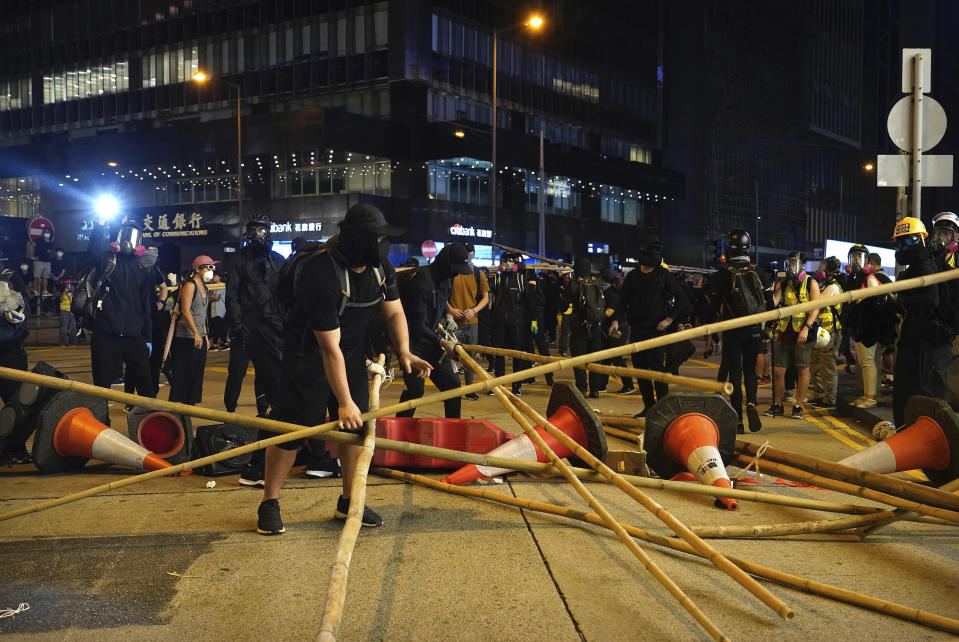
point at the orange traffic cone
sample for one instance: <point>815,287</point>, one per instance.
<point>568,411</point>
<point>931,436</point>
<point>692,432</point>
<point>71,431</point>
<point>167,435</point>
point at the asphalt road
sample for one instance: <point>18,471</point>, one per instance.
<point>170,558</point>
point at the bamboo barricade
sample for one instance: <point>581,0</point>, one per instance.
<point>298,432</point>
<point>482,386</point>
<point>593,503</point>
<point>624,434</point>
<point>724,388</point>
<point>339,573</point>
<point>865,478</point>
<point>703,549</point>
<point>797,474</point>
<point>885,518</point>
<point>792,581</point>
<point>632,424</point>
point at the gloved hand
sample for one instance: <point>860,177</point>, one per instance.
<point>149,349</point>
<point>13,316</point>
<point>533,327</point>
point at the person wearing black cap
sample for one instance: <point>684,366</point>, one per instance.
<point>510,314</point>
<point>589,313</point>
<point>335,291</point>
<point>425,304</point>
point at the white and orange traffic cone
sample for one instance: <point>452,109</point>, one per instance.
<point>167,435</point>
<point>690,432</point>
<point>568,411</point>
<point>71,431</point>
<point>927,442</point>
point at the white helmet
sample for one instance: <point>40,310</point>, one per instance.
<point>822,338</point>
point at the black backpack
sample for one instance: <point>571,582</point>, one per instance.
<point>218,438</point>
<point>591,302</point>
<point>745,296</point>
<point>89,293</point>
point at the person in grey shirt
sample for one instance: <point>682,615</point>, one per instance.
<point>190,337</point>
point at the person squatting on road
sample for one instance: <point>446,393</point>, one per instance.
<point>645,301</point>
<point>796,336</point>
<point>335,292</point>
<point>737,290</point>
<point>424,303</point>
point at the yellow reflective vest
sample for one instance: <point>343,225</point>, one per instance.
<point>829,316</point>
<point>790,297</point>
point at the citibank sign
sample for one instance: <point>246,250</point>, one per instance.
<point>471,232</point>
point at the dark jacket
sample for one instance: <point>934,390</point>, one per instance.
<point>647,299</point>
<point>249,291</point>
<point>126,308</point>
<point>425,304</point>
<point>512,300</point>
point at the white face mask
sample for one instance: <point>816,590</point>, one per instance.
<point>207,276</point>
<point>24,267</point>
<point>59,255</point>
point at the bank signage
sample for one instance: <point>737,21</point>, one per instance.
<point>178,225</point>
<point>309,226</point>
<point>470,232</point>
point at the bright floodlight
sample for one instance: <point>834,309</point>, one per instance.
<point>106,207</point>
<point>200,76</point>
<point>535,22</point>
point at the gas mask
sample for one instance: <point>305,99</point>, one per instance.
<point>129,241</point>
<point>650,254</point>
<point>258,235</point>
<point>944,240</point>
<point>857,261</point>
<point>795,268</point>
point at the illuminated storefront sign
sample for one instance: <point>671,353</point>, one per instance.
<point>470,232</point>
<point>597,248</point>
<point>309,226</point>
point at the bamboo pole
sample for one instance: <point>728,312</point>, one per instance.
<point>623,421</point>
<point>339,573</point>
<point>624,434</point>
<point>865,478</point>
<point>708,385</point>
<point>704,549</point>
<point>759,531</point>
<point>797,474</point>
<point>879,520</point>
<point>786,579</point>
<point>593,503</point>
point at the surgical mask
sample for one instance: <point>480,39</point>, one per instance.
<point>149,257</point>
<point>24,267</point>
<point>207,276</point>
<point>59,255</point>
<point>46,237</point>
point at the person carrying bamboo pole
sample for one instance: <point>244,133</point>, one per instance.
<point>737,290</point>
<point>334,292</point>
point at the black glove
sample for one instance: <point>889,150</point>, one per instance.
<point>239,335</point>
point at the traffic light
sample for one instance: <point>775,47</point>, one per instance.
<point>719,252</point>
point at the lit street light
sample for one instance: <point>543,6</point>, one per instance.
<point>535,22</point>
<point>200,77</point>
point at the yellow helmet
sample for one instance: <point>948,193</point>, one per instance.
<point>908,226</point>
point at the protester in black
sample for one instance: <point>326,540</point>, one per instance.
<point>510,314</point>
<point>615,337</point>
<point>643,300</point>
<point>586,319</point>
<point>735,290</point>
<point>123,318</point>
<point>324,365</point>
<point>425,303</point>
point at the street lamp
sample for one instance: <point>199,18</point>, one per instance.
<point>534,23</point>
<point>200,77</point>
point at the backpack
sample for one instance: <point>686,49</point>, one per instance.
<point>745,296</point>
<point>88,294</point>
<point>218,438</point>
<point>591,302</point>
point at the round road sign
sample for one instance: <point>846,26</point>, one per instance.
<point>428,249</point>
<point>36,226</point>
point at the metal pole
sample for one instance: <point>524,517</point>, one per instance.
<point>492,180</point>
<point>541,198</point>
<point>239,153</point>
<point>757,222</point>
<point>917,135</point>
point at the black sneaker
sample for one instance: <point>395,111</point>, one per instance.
<point>252,476</point>
<point>740,430</point>
<point>775,410</point>
<point>472,396</point>
<point>593,395</point>
<point>549,380</point>
<point>19,456</point>
<point>268,518</point>
<point>323,468</point>
<point>370,518</point>
<point>752,416</point>
<point>517,391</point>
<point>797,412</point>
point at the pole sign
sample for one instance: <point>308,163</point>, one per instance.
<point>428,249</point>
<point>36,227</point>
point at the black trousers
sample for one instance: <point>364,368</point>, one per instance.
<point>654,359</point>
<point>511,337</point>
<point>740,349</point>
<point>189,364</point>
<point>921,369</point>
<point>110,352</point>
<point>542,347</point>
<point>264,351</point>
<point>442,376</point>
<point>584,341</point>
<point>609,342</point>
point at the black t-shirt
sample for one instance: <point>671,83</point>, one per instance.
<point>318,294</point>
<point>56,266</point>
<point>42,249</point>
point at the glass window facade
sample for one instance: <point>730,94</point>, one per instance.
<point>15,94</point>
<point>563,194</point>
<point>86,81</point>
<point>170,66</point>
<point>208,189</point>
<point>461,180</point>
<point>619,205</point>
<point>19,197</point>
<point>313,173</point>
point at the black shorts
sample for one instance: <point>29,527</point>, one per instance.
<point>305,395</point>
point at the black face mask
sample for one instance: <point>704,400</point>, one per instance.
<point>440,268</point>
<point>912,255</point>
<point>359,247</point>
<point>651,255</point>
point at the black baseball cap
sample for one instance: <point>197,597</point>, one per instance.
<point>458,257</point>
<point>369,217</point>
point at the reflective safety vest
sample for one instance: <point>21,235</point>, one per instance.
<point>797,320</point>
<point>829,316</point>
